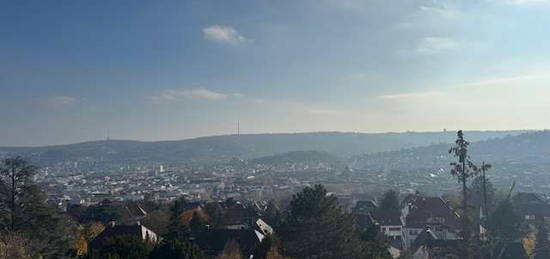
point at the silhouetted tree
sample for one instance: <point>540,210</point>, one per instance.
<point>176,249</point>
<point>177,230</point>
<point>542,245</point>
<point>463,169</point>
<point>390,202</point>
<point>376,242</point>
<point>23,210</point>
<point>505,224</point>
<point>272,214</point>
<point>124,247</point>
<point>316,227</point>
<point>15,180</point>
<point>231,250</point>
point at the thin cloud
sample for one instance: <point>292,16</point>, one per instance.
<point>433,45</point>
<point>223,34</point>
<point>170,95</point>
<point>505,80</point>
<point>527,2</point>
<point>404,96</point>
<point>60,100</point>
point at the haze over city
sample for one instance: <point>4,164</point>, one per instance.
<point>73,71</point>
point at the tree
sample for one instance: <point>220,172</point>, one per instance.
<point>23,210</point>
<point>197,224</point>
<point>316,227</point>
<point>463,169</point>
<point>390,202</point>
<point>176,249</point>
<point>15,179</point>
<point>231,250</point>
<point>13,245</point>
<point>376,242</point>
<point>85,234</point>
<point>482,198</point>
<point>215,212</point>
<point>505,224</point>
<point>263,247</point>
<point>542,245</point>
<point>178,230</point>
<point>125,247</point>
<point>272,214</point>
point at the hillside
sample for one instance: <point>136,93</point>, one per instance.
<point>524,159</point>
<point>528,148</point>
<point>242,146</point>
<point>293,157</point>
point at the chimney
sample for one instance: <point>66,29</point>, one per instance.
<point>138,223</point>
<point>112,223</point>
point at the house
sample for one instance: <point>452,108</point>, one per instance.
<point>213,241</point>
<point>113,230</point>
<point>390,224</point>
<point>432,212</point>
<point>134,212</point>
<point>236,216</point>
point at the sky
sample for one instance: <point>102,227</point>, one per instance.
<point>80,70</point>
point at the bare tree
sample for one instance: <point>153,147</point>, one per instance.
<point>463,169</point>
<point>15,175</point>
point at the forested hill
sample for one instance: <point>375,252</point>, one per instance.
<point>531,150</point>
<point>241,146</point>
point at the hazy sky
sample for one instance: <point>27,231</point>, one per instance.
<point>83,69</point>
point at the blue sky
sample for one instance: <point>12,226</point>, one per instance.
<point>153,70</point>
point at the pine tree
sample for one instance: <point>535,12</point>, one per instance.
<point>176,249</point>
<point>390,202</point>
<point>23,210</point>
<point>316,227</point>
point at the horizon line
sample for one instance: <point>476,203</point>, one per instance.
<point>108,138</point>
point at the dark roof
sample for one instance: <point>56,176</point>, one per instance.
<point>134,210</point>
<point>385,218</point>
<point>212,242</point>
<point>425,209</point>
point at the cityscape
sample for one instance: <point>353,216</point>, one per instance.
<point>274,129</point>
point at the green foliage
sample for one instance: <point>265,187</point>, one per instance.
<point>124,247</point>
<point>542,245</point>
<point>263,248</point>
<point>197,224</point>
<point>23,210</point>
<point>215,212</point>
<point>476,197</point>
<point>390,202</point>
<point>176,249</point>
<point>177,230</point>
<point>316,227</point>
<point>505,224</point>
<point>376,243</point>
